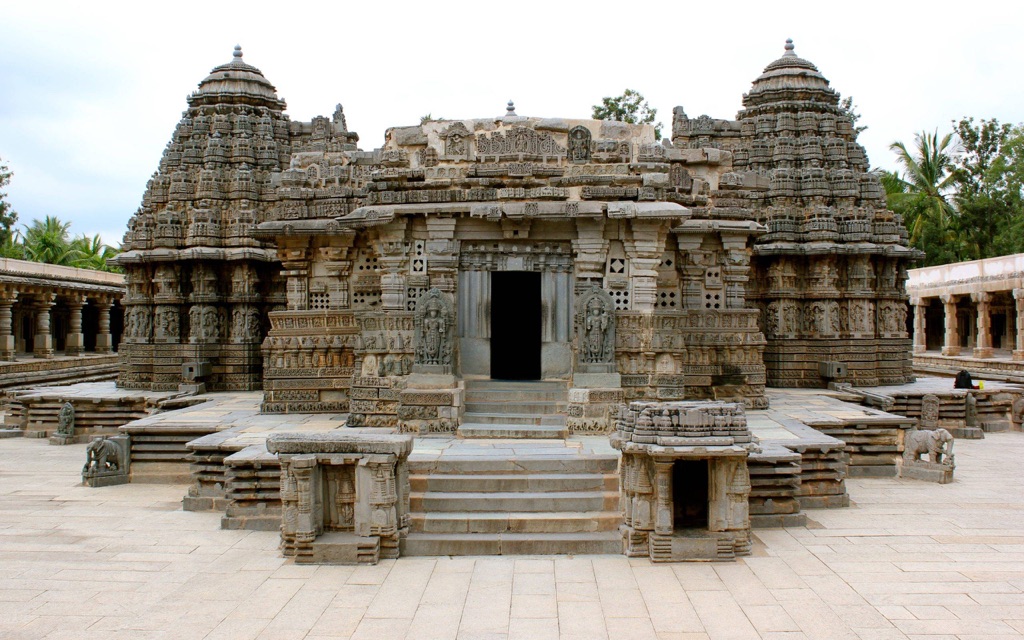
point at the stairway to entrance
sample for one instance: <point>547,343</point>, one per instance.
<point>560,502</point>
<point>514,409</point>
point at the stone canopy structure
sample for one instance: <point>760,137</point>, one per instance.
<point>277,255</point>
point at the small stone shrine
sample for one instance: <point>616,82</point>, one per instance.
<point>344,495</point>
<point>937,446</point>
<point>107,461</point>
<point>684,480</point>
<point>276,255</point>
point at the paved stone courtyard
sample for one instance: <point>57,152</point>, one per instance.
<point>907,560</point>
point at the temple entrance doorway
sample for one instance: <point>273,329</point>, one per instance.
<point>515,325</point>
<point>690,494</point>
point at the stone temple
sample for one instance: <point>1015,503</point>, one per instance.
<point>276,254</point>
<point>514,277</point>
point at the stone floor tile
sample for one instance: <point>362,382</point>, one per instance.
<point>534,606</point>
<point>378,628</point>
<point>581,620</point>
<point>721,615</point>
<point>534,583</point>
<point>533,629</point>
<point>435,622</point>
<point>767,618</point>
<point>630,629</point>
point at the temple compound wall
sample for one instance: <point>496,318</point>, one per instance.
<point>738,253</point>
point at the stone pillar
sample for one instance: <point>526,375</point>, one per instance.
<point>920,326</point>
<point>1018,345</point>
<point>104,343</point>
<point>664,521</point>
<point>7,349</point>
<point>43,345</point>
<point>74,343</point>
<point>951,346</point>
<point>983,348</point>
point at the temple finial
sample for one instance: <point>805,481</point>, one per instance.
<point>510,110</point>
<point>790,48</point>
<point>238,51</point>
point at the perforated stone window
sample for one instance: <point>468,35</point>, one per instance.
<point>365,299</point>
<point>713,278</point>
<point>617,266</point>
<point>319,301</point>
<point>366,262</point>
<point>668,298</point>
<point>418,257</point>
<point>412,295</point>
<point>712,300</point>
<point>621,299</point>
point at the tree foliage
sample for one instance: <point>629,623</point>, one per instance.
<point>962,196</point>
<point>630,107</point>
<point>848,108</point>
<point>8,217</point>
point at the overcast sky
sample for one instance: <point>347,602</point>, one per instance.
<point>90,92</point>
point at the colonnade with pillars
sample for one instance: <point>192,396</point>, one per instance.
<point>28,313</point>
<point>968,326</point>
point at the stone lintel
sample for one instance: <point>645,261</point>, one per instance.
<point>347,441</point>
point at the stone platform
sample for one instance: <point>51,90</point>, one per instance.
<point>999,404</point>
<point>907,560</point>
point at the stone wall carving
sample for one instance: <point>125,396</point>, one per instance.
<point>595,330</point>
<point>435,332</point>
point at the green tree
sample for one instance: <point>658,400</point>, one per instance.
<point>989,177</point>
<point>630,107</point>
<point>8,217</point>
<point>92,253</point>
<point>848,108</point>
<point>925,188</point>
<point>49,241</point>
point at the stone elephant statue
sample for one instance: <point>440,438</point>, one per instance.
<point>937,443</point>
<point>102,455</point>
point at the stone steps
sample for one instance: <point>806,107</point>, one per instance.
<point>490,544</point>
<point>559,503</point>
<point>516,522</point>
<point>533,405</point>
<point>520,431</point>
<point>512,418</point>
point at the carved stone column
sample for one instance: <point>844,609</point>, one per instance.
<point>951,346</point>
<point>43,345</point>
<point>663,520</point>
<point>644,250</point>
<point>104,343</point>
<point>7,349</point>
<point>983,348</point>
<point>74,343</point>
<point>1018,345</point>
<point>920,327</point>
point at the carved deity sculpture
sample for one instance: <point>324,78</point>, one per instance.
<point>970,410</point>
<point>579,145</point>
<point>595,327</point>
<point>66,420</point>
<point>434,322</point>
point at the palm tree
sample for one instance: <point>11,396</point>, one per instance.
<point>48,241</point>
<point>929,179</point>
<point>92,253</point>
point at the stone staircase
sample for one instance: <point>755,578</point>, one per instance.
<point>558,503</point>
<point>514,409</point>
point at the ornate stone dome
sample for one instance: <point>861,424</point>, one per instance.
<point>236,82</point>
<point>790,78</point>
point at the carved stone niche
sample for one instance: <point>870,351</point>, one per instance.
<point>684,481</point>
<point>435,333</point>
<point>344,495</point>
<point>595,339</point>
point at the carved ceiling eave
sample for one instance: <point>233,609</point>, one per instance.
<point>747,228</point>
<point>145,256</point>
<point>837,248</point>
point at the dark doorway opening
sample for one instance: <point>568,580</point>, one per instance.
<point>515,325</point>
<point>690,494</point>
